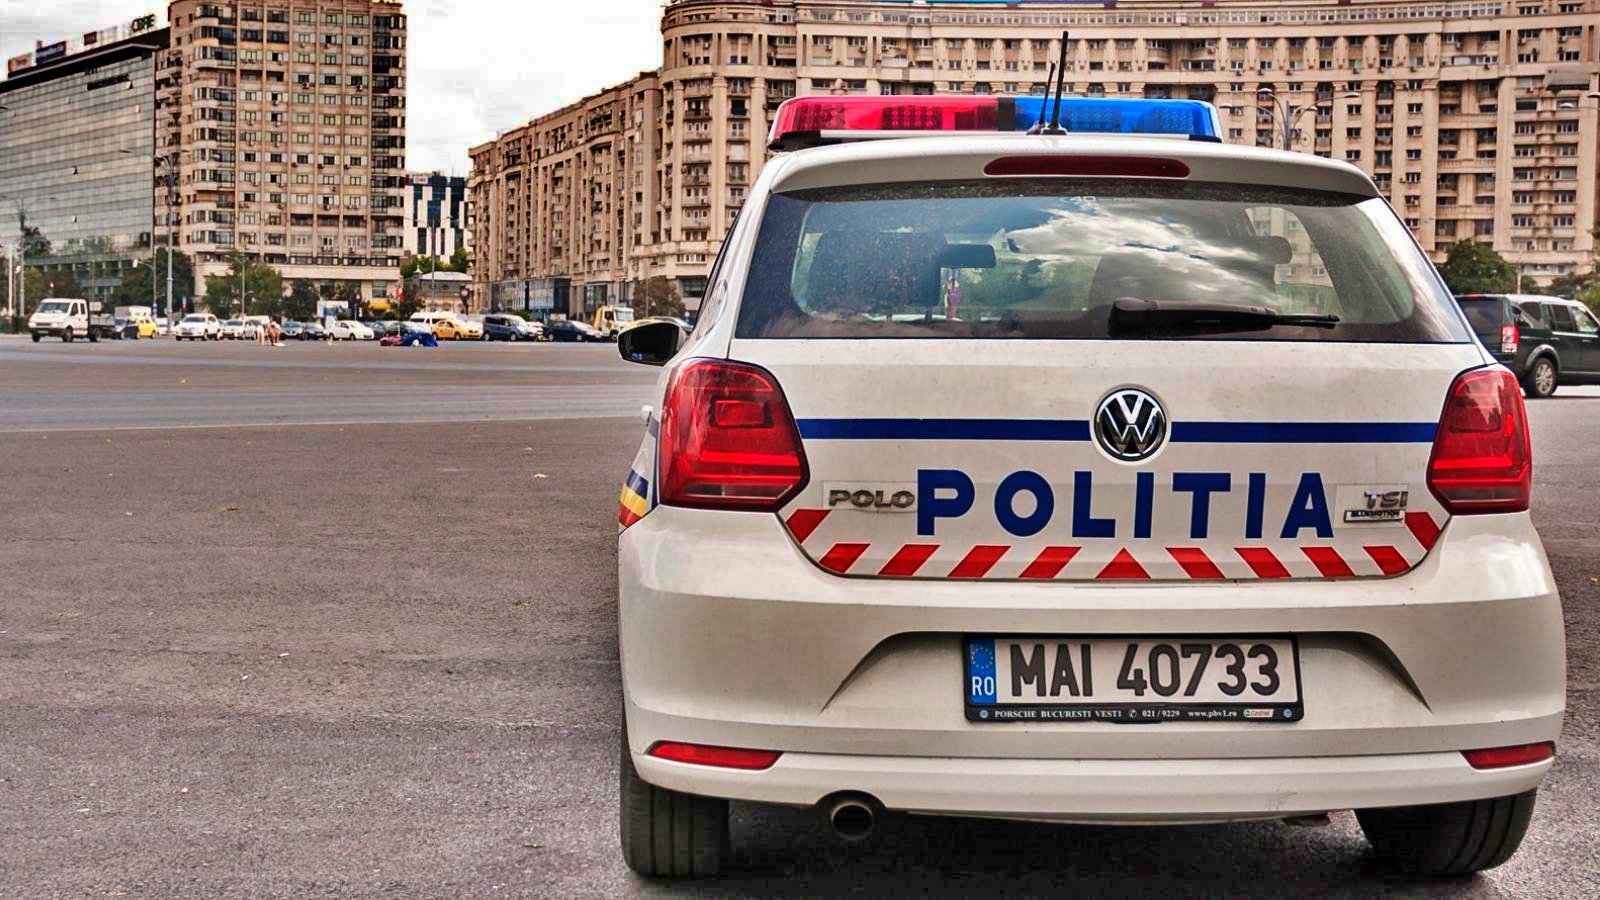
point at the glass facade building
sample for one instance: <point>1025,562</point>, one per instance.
<point>76,140</point>
<point>436,214</point>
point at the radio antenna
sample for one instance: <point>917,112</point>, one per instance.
<point>1040,126</point>
<point>1061,86</point>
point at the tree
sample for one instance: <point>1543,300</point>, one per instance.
<point>57,283</point>
<point>301,304</point>
<point>410,301</point>
<point>34,244</point>
<point>1474,268</point>
<point>263,288</point>
<point>136,282</point>
<point>461,260</point>
<point>656,296</point>
<point>417,265</point>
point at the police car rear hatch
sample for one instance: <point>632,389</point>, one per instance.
<point>1096,369</point>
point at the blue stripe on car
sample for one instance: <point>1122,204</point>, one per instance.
<point>1069,430</point>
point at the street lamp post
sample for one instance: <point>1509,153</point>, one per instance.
<point>1287,115</point>
<point>19,295</point>
<point>171,184</point>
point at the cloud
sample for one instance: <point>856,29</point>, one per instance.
<point>475,68</point>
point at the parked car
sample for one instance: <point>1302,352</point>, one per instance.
<point>568,330</point>
<point>472,328</point>
<point>449,330</point>
<point>1545,341</point>
<point>233,329</point>
<point>376,326</point>
<point>509,327</point>
<point>350,330</point>
<point>139,318</point>
<point>291,331</point>
<point>446,326</point>
<point>314,332</point>
<point>124,329</point>
<point>198,327</point>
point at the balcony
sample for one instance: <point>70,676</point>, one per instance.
<point>1473,164</point>
<point>1468,120</point>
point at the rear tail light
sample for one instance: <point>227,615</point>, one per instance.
<point>1482,459</point>
<point>1510,337</point>
<point>720,757</point>
<point>728,440</point>
<point>1503,757</point>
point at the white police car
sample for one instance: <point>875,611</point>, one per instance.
<point>1085,478</point>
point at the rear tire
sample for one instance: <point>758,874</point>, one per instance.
<point>1449,838</point>
<point>666,834</point>
<point>1542,379</point>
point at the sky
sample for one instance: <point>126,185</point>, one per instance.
<point>476,67</point>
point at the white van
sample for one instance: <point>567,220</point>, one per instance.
<point>63,318</point>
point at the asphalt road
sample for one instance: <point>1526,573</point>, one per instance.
<point>309,622</point>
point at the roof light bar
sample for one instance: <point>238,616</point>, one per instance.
<point>809,121</point>
<point>1182,118</point>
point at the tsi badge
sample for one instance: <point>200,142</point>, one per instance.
<point>874,497</point>
<point>1381,503</point>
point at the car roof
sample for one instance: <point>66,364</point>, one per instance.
<point>963,157</point>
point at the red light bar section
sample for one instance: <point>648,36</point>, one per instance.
<point>1505,757</point>
<point>719,757</point>
<point>809,115</point>
<point>1101,166</point>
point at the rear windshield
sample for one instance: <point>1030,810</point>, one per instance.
<point>1486,314</point>
<point>1048,259</point>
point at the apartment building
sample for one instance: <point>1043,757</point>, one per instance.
<point>1477,117</point>
<point>436,214</point>
<point>286,120</point>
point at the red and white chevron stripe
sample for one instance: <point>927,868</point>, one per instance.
<point>1071,563</point>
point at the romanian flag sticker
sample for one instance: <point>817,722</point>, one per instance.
<point>635,499</point>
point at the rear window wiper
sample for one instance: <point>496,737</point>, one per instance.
<point>1132,314</point>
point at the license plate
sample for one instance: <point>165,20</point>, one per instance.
<point>1134,680</point>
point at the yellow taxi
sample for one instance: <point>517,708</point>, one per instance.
<point>447,329</point>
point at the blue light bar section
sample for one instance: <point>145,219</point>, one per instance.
<point>1193,118</point>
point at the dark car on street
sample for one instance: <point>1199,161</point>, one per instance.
<point>568,330</point>
<point>1545,341</point>
<point>508,327</point>
<point>124,328</point>
<point>313,331</point>
<point>292,331</point>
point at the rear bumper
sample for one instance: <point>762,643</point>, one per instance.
<point>1095,790</point>
<point>730,637</point>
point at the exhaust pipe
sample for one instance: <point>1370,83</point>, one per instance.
<point>852,818</point>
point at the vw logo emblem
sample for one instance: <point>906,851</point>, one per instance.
<point>1130,425</point>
